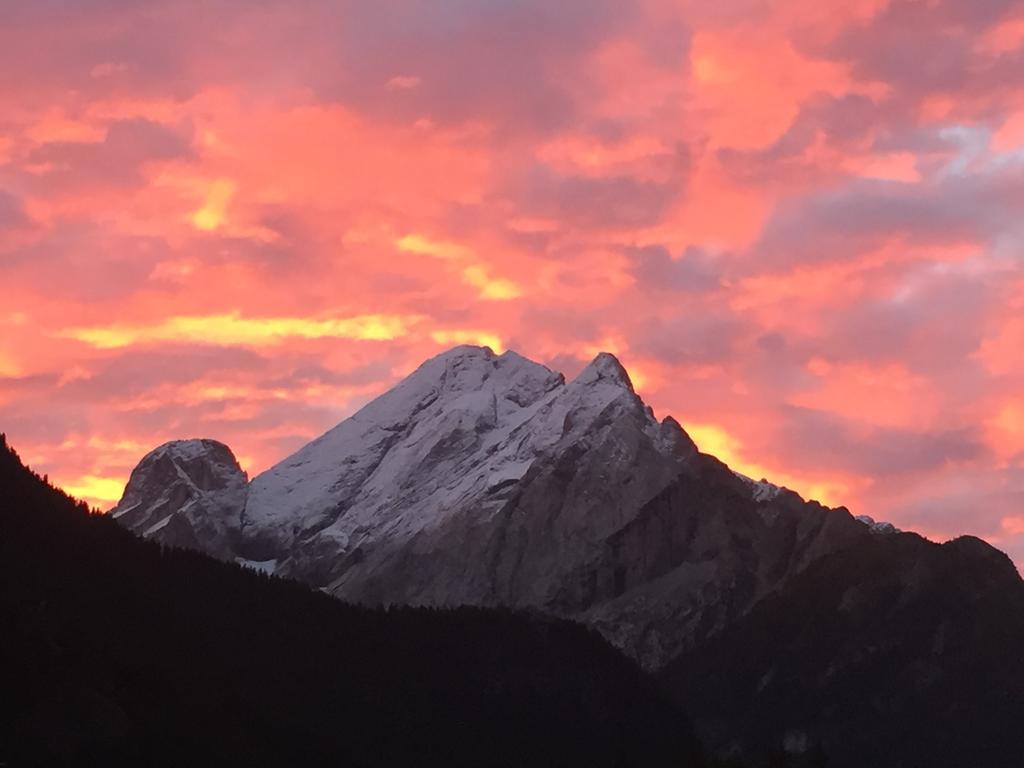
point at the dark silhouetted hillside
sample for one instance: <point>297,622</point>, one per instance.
<point>897,652</point>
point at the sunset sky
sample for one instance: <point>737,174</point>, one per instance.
<point>799,224</point>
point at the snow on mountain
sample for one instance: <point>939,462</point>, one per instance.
<point>879,527</point>
<point>760,490</point>
<point>399,463</point>
<point>187,493</point>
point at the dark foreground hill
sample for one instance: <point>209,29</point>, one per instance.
<point>117,651</point>
<point>897,652</point>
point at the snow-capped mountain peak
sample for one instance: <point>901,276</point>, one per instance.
<point>607,368</point>
<point>488,479</point>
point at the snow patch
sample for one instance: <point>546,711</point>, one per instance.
<point>880,527</point>
<point>263,566</point>
<point>119,511</point>
<point>158,526</point>
<point>760,490</point>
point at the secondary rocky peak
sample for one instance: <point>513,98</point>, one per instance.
<point>675,439</point>
<point>186,493</point>
<point>206,464</point>
<point>980,560</point>
<point>605,367</point>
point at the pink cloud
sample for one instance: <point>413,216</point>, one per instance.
<point>800,243</point>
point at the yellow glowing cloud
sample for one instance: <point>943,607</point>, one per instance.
<point>1006,430</point>
<point>710,69</point>
<point>245,331</point>
<point>95,490</point>
<point>638,377</point>
<point>481,338</point>
<point>490,288</point>
<point>438,248</point>
<point>8,366</point>
<point>716,441</point>
<point>712,439</point>
<point>215,205</point>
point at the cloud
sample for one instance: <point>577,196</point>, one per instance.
<point>695,271</point>
<point>843,223</point>
<point>506,52</point>
<point>611,202</point>
<point>698,337</point>
<point>824,441</point>
<point>118,159</point>
<point>12,214</point>
<point>798,225</point>
<point>403,82</point>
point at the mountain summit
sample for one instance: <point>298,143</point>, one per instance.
<point>489,479</point>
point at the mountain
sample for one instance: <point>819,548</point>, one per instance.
<point>199,492</point>
<point>894,652</point>
<point>489,480</point>
<point>794,634</point>
<point>116,650</point>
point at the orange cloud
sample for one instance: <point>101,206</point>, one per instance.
<point>448,338</point>
<point>833,235</point>
<point>1010,136</point>
<point>491,289</point>
<point>1006,429</point>
<point>215,204</point>
<point>713,439</point>
<point>1005,37</point>
<point>476,275</point>
<point>750,83</point>
<point>884,395</point>
<point>440,249</point>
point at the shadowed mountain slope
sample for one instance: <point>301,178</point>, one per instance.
<point>895,652</point>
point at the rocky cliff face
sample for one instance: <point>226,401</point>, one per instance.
<point>489,480</point>
<point>187,493</point>
<point>894,652</point>
<point>703,552</point>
